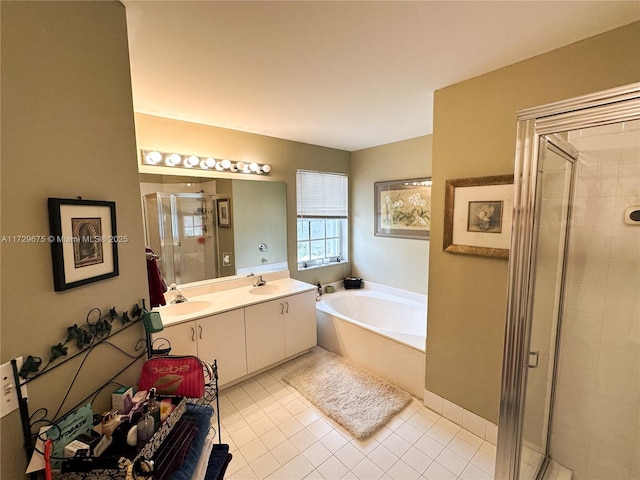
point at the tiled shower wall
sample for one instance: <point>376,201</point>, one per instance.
<point>596,426</point>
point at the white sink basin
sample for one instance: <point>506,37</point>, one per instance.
<point>266,289</point>
<point>185,308</point>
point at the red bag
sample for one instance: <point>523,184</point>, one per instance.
<point>181,376</point>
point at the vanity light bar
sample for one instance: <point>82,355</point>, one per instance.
<point>154,157</point>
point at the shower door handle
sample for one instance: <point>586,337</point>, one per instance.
<point>535,356</point>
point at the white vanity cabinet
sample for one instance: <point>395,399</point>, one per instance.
<point>264,324</point>
<point>246,333</point>
<point>300,331</point>
<point>280,328</point>
<point>220,336</point>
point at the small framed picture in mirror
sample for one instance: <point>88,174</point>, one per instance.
<point>224,212</point>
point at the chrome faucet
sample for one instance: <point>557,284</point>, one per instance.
<point>179,298</point>
<point>260,282</point>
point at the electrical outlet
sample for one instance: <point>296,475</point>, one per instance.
<point>8,393</point>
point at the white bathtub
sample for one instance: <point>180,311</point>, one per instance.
<point>382,329</point>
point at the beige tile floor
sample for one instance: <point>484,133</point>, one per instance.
<point>275,433</point>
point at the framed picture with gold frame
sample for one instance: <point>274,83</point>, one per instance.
<point>477,215</point>
<point>403,208</point>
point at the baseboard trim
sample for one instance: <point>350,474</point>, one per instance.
<point>468,420</point>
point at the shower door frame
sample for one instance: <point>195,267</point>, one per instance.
<point>553,143</point>
<point>175,240</point>
<point>610,106</point>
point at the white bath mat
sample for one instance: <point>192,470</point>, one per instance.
<point>358,400</point>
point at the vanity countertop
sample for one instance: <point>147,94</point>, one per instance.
<point>208,304</point>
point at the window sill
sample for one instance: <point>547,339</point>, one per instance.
<point>321,265</point>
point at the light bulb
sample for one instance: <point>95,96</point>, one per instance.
<point>210,162</point>
<point>191,161</point>
<point>254,167</point>
<point>266,168</point>
<point>152,157</point>
<point>225,164</point>
<point>240,165</point>
<point>173,159</point>
<point>234,167</point>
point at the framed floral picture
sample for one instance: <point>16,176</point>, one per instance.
<point>403,208</point>
<point>478,215</point>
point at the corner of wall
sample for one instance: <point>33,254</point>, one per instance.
<point>475,424</point>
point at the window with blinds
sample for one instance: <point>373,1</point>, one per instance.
<point>322,206</point>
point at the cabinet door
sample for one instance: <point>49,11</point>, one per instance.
<point>300,332</point>
<point>181,336</point>
<point>222,337</point>
<point>265,334</point>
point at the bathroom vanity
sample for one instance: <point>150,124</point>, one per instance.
<point>246,328</point>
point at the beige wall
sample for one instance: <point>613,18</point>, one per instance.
<point>67,131</point>
<point>474,136</point>
<point>396,262</point>
<point>284,156</point>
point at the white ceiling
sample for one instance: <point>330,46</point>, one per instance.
<point>343,74</point>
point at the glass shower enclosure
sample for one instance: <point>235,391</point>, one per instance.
<point>180,229</point>
<point>570,401</point>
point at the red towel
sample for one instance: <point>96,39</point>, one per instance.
<point>157,287</point>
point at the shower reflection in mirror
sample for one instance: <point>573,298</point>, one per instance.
<point>183,226</point>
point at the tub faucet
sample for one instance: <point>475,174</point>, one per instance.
<point>260,282</point>
<point>319,290</point>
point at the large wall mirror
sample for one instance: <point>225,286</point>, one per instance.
<point>208,228</point>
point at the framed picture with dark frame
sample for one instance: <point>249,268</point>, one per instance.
<point>477,215</point>
<point>224,212</point>
<point>403,208</point>
<point>84,241</point>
